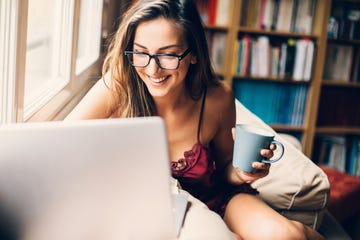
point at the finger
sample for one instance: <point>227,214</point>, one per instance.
<point>272,146</point>
<point>251,177</point>
<point>267,153</point>
<point>261,166</point>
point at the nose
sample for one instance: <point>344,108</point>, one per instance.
<point>153,66</point>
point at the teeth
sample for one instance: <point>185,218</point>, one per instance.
<point>157,80</point>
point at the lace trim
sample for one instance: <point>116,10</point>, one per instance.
<point>186,163</point>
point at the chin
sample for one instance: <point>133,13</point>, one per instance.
<point>158,93</point>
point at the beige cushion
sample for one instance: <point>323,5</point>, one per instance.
<point>200,223</point>
<point>295,186</point>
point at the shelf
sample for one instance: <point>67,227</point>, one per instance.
<point>276,33</point>
<point>216,28</point>
<point>271,79</point>
<point>340,83</point>
<point>338,130</point>
<point>285,128</point>
<point>344,41</point>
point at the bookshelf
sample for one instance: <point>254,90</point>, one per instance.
<point>338,121</point>
<point>304,98</point>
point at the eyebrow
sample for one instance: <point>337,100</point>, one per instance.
<point>162,48</point>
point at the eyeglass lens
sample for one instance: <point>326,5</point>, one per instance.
<point>143,59</point>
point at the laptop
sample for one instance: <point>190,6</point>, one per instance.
<point>88,179</point>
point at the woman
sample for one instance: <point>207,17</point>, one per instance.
<point>158,64</point>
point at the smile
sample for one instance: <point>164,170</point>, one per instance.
<point>157,80</point>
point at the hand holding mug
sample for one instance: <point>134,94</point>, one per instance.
<point>254,150</point>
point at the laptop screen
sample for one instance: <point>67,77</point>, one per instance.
<point>90,179</point>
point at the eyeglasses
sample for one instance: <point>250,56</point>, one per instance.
<point>164,61</point>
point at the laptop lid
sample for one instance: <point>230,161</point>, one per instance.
<point>92,179</point>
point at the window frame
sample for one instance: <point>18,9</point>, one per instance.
<point>62,54</point>
<point>8,23</point>
<point>91,54</point>
<point>14,61</point>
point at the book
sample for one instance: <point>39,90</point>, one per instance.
<point>355,67</point>
<point>285,15</point>
<point>338,62</point>
<point>274,103</point>
<point>260,14</point>
<point>299,117</point>
<point>222,12</point>
<point>356,157</point>
<point>212,5</point>
<point>253,13</point>
<point>240,57</point>
<point>246,42</point>
<point>304,55</point>
<point>294,10</point>
<point>244,12</point>
<point>235,56</point>
<point>336,157</point>
<point>346,15</point>
<point>354,165</point>
<point>275,59</point>
<point>309,60</point>
<point>282,63</point>
<point>254,58</point>
<point>263,52</point>
<point>217,52</point>
<point>299,63</point>
<point>275,14</point>
<point>290,58</point>
<point>267,15</point>
<point>304,16</point>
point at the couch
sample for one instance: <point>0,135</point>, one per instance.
<point>295,187</point>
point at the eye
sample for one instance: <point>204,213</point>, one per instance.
<point>139,50</point>
<point>169,53</point>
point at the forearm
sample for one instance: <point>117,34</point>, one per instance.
<point>232,176</point>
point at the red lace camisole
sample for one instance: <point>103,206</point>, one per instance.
<point>198,175</point>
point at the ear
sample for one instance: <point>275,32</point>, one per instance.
<point>193,59</point>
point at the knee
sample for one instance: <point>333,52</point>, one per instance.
<point>283,231</point>
<point>294,230</point>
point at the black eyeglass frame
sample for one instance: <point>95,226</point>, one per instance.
<point>155,56</point>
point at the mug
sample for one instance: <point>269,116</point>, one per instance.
<point>249,140</point>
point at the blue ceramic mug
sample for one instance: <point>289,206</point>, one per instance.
<point>249,140</point>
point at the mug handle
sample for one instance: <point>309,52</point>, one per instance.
<point>281,148</point>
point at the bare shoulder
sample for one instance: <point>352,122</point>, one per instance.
<point>220,108</point>
<point>94,104</point>
<point>220,97</point>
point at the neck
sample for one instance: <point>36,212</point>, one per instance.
<point>172,104</point>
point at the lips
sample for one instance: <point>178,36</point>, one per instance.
<point>157,80</point>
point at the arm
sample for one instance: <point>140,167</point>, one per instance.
<point>95,103</point>
<point>223,142</point>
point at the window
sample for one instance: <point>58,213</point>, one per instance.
<point>89,34</point>
<point>7,60</point>
<point>48,50</point>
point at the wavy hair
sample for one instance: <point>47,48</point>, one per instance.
<point>130,95</point>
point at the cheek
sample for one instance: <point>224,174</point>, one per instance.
<point>140,72</point>
<point>185,64</point>
<point>181,74</point>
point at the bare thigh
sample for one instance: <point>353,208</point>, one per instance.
<point>250,218</point>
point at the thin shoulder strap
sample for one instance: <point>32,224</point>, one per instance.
<point>201,115</point>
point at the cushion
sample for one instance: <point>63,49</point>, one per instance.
<point>344,194</point>
<point>295,186</point>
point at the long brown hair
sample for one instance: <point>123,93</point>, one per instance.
<point>130,95</point>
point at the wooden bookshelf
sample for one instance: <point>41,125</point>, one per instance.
<point>309,128</point>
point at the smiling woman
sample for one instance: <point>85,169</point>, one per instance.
<point>50,55</point>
